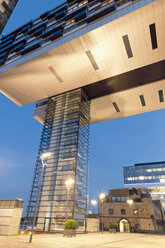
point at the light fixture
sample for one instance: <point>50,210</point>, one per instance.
<point>69,182</point>
<point>102,196</point>
<point>45,155</point>
<point>130,201</point>
<point>94,202</point>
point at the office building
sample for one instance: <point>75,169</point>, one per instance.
<point>148,176</point>
<point>83,62</point>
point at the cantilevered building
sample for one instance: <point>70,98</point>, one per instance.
<point>6,9</point>
<point>83,62</point>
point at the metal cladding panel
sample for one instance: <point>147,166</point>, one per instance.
<point>64,56</point>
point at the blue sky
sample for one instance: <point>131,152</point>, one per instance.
<point>113,144</point>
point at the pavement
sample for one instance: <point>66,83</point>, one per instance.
<point>97,240</point>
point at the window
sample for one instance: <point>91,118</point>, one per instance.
<point>70,10</point>
<point>111,211</point>
<point>120,198</point>
<point>107,2</point>
<point>82,3</point>
<point>123,211</point>
<point>135,211</point>
<point>70,21</point>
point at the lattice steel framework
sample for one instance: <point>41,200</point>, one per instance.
<point>66,135</point>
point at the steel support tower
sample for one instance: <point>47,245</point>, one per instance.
<point>66,135</point>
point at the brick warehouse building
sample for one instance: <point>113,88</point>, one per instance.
<point>143,215</point>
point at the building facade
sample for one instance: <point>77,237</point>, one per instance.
<point>148,176</point>
<point>82,66</point>
<point>6,9</point>
<point>10,216</point>
<point>66,136</point>
<point>131,211</point>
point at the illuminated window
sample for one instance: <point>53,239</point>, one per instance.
<point>130,178</point>
<point>70,10</point>
<point>103,4</point>
<point>82,3</point>
<point>69,22</point>
<point>149,170</point>
<point>107,2</point>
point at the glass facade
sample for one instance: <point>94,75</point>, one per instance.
<point>66,136</point>
<point>146,173</point>
<point>149,176</point>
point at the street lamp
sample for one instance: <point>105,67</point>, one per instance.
<point>68,184</point>
<point>93,202</point>
<point>101,197</point>
<point>130,201</point>
<point>44,156</point>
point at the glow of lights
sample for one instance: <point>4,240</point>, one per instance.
<point>130,201</point>
<point>94,202</point>
<point>69,182</point>
<point>45,155</point>
<point>102,196</point>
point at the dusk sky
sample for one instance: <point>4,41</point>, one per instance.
<point>113,144</point>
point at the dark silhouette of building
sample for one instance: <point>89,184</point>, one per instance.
<point>6,9</point>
